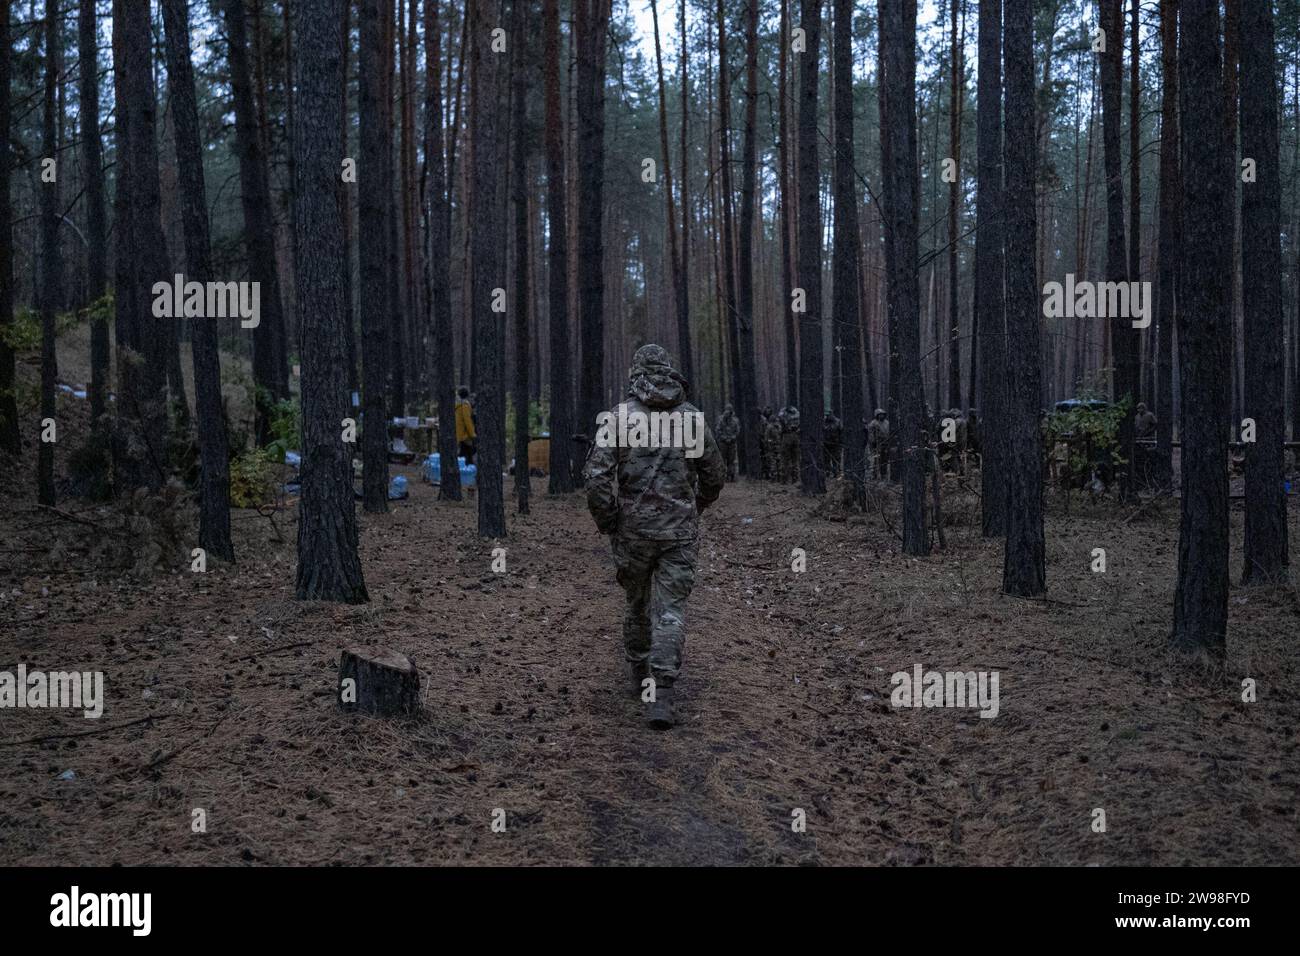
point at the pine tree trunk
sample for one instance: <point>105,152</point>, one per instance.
<point>990,315</point>
<point>374,175</point>
<point>522,153</point>
<point>92,162</point>
<point>557,253</point>
<point>487,265</point>
<point>438,263</point>
<point>1123,335</point>
<point>1264,551</point>
<point>747,407</point>
<point>142,340</point>
<point>269,371</point>
<point>591,23</point>
<point>1204,330</point>
<point>51,261</point>
<point>731,308</point>
<point>957,67</point>
<point>10,439</point>
<point>1024,570</point>
<point>675,260</point>
<point>899,177</point>
<point>1170,242</point>
<point>214,476</point>
<point>844,291</point>
<point>329,568</point>
<point>786,199</point>
<point>812,481</point>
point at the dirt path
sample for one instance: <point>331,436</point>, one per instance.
<point>527,710</point>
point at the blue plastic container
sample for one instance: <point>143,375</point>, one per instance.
<point>431,470</point>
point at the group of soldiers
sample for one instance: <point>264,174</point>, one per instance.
<point>778,435</point>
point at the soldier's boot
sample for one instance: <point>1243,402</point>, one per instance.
<point>663,711</point>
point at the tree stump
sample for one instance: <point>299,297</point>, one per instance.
<point>379,681</point>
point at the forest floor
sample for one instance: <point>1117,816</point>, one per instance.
<point>527,707</point>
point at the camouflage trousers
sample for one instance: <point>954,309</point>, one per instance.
<point>657,577</point>
<point>728,449</point>
<point>790,457</point>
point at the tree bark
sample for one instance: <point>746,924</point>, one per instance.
<point>139,458</point>
<point>787,200</point>
<point>1170,242</point>
<point>1204,327</point>
<point>676,261</point>
<point>591,23</point>
<point>522,153</point>
<point>383,682</point>
<point>1024,571</point>
<point>487,266</point>
<point>329,568</point>
<point>51,260</point>
<point>844,290</point>
<point>957,66</point>
<point>92,162</point>
<point>374,178</point>
<point>561,460</point>
<point>1264,552</point>
<point>1123,335</point>
<point>438,261</point>
<point>899,176</point>
<point>747,407</point>
<point>214,475</point>
<point>990,316</point>
<point>269,370</point>
<point>812,480</point>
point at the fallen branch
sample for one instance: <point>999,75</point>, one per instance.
<point>84,733</point>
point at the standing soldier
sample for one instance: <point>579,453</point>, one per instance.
<point>877,439</point>
<point>649,499</point>
<point>1144,423</point>
<point>789,419</point>
<point>772,444</point>
<point>728,432</point>
<point>833,433</point>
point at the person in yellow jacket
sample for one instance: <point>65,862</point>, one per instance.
<point>465,434</point>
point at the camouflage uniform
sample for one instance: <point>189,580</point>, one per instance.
<point>833,439</point>
<point>1144,423</point>
<point>728,432</point>
<point>789,422</point>
<point>772,446</point>
<point>649,500</point>
<point>877,440</point>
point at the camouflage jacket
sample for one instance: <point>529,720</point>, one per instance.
<point>728,427</point>
<point>647,492</point>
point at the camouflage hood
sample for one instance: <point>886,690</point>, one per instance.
<point>653,380</point>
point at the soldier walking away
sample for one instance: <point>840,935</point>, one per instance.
<point>728,432</point>
<point>877,440</point>
<point>649,499</point>
<point>789,421</point>
<point>833,437</point>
